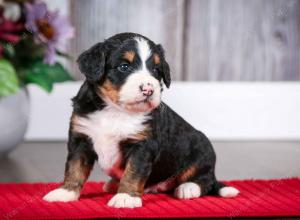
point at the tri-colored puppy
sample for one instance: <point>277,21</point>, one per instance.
<point>120,121</point>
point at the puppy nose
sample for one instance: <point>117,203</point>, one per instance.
<point>147,89</point>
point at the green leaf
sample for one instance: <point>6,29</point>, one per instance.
<point>46,75</point>
<point>9,82</point>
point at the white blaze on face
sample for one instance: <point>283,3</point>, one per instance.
<point>143,50</point>
<point>130,94</point>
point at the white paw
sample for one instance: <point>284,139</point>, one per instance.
<point>61,195</point>
<point>228,192</point>
<point>123,200</point>
<point>187,190</point>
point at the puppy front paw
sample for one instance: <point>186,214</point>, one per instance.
<point>61,195</point>
<point>124,200</point>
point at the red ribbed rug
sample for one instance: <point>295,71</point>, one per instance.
<point>270,198</point>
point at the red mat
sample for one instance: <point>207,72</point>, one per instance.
<point>257,198</point>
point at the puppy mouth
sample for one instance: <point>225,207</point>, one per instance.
<point>144,100</point>
<point>141,105</point>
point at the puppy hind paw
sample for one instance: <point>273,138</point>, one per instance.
<point>187,190</point>
<point>228,192</point>
<point>61,195</point>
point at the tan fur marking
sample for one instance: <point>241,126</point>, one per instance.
<point>130,183</point>
<point>110,91</point>
<point>129,56</point>
<point>156,59</point>
<point>77,172</point>
<point>141,135</point>
<point>187,174</point>
<point>73,122</point>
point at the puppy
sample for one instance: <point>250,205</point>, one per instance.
<point>119,120</point>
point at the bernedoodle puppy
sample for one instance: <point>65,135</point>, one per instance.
<point>119,120</point>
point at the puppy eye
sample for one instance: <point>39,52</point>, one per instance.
<point>124,67</point>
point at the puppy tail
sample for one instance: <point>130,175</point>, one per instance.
<point>225,191</point>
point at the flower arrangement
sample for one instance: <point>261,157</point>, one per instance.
<point>31,40</point>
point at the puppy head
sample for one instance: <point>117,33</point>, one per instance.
<point>127,70</point>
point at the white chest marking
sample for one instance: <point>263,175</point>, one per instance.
<point>107,128</point>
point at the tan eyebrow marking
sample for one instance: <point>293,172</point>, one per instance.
<point>156,59</point>
<point>129,56</point>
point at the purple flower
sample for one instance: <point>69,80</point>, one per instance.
<point>48,27</point>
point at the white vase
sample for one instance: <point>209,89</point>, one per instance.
<point>14,115</point>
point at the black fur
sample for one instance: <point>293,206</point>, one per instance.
<point>92,62</point>
<point>176,146</point>
<point>165,66</point>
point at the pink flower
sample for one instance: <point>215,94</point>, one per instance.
<point>10,32</point>
<point>48,27</point>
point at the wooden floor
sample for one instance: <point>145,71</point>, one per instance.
<point>44,161</point>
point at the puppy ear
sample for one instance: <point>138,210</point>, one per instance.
<point>91,62</point>
<point>165,66</point>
